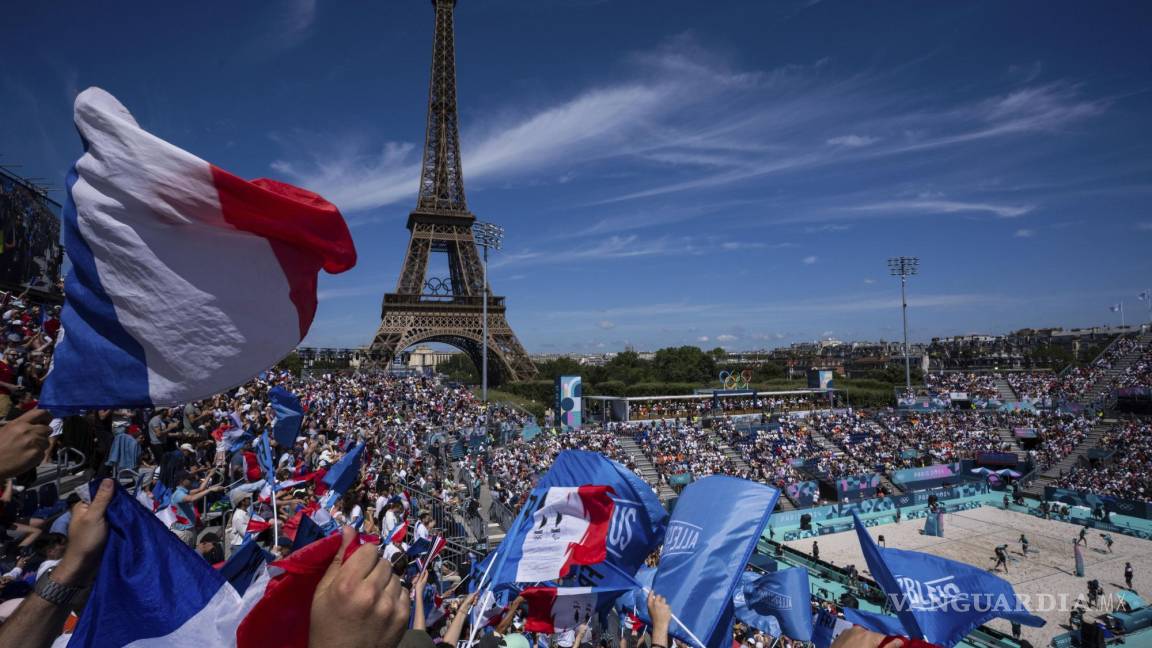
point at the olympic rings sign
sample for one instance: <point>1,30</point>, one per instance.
<point>733,380</point>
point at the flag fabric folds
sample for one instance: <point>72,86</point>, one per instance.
<point>635,523</point>
<point>148,575</point>
<point>552,609</point>
<point>342,475</point>
<point>937,599</point>
<point>246,565</point>
<point>289,415</point>
<point>783,595</point>
<point>186,280</point>
<point>713,531</point>
<point>568,527</point>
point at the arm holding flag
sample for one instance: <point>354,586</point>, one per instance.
<point>37,622</point>
<point>359,600</point>
<point>456,628</point>
<point>661,615</point>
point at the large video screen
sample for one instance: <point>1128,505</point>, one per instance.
<point>30,248</point>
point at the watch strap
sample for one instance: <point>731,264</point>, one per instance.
<point>56,593</point>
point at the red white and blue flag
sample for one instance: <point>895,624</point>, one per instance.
<point>247,603</point>
<point>398,532</point>
<point>555,609</point>
<point>569,527</point>
<point>186,280</point>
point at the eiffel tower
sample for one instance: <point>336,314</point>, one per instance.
<point>446,309</point>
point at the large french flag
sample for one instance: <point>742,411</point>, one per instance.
<point>153,591</point>
<point>569,528</point>
<point>186,280</point>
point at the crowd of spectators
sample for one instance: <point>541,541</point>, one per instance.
<point>945,437</point>
<point>685,408</point>
<point>975,385</point>
<point>678,448</point>
<point>1138,374</point>
<point>774,452</point>
<point>30,250</point>
<point>1127,473</point>
<point>513,469</point>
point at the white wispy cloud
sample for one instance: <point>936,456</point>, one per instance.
<point>288,24</point>
<point>942,207</point>
<point>726,338</point>
<point>1025,233</point>
<point>828,227</point>
<point>852,141</point>
<point>809,260</point>
<point>684,119</point>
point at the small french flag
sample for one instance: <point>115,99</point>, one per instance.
<point>399,532</point>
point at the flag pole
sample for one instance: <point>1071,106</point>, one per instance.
<point>483,595</point>
<point>275,516</point>
<point>677,620</point>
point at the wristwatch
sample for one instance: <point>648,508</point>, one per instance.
<point>56,593</point>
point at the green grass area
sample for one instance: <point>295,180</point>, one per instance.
<point>534,406</point>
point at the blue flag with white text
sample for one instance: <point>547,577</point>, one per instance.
<point>714,529</point>
<point>937,599</point>
<point>783,595</point>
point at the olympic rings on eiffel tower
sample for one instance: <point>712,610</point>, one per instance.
<point>437,286</point>
<point>733,380</point>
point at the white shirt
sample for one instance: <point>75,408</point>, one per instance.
<point>239,526</point>
<point>390,521</point>
<point>422,531</point>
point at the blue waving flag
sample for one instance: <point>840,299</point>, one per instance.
<point>289,415</point>
<point>713,531</point>
<point>635,525</point>
<point>783,595</point>
<point>882,623</point>
<point>937,599</point>
<point>342,475</point>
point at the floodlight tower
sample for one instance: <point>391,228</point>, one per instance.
<point>904,267</point>
<point>486,235</point>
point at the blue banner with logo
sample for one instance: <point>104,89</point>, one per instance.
<point>635,528</point>
<point>784,596</point>
<point>713,531</point>
<point>937,599</point>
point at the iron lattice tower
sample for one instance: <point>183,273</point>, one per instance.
<point>446,309</point>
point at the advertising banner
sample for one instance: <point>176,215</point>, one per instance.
<point>927,473</point>
<point>567,408</point>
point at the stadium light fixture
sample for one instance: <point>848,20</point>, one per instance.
<point>904,267</point>
<point>486,235</point>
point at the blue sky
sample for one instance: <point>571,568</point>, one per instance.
<point>682,172</point>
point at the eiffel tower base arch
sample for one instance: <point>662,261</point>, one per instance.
<point>459,328</point>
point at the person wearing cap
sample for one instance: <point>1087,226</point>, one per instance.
<point>238,525</point>
<point>183,498</point>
